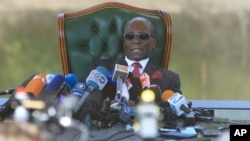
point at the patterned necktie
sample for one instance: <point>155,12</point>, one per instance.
<point>136,72</point>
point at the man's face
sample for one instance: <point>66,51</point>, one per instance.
<point>138,47</point>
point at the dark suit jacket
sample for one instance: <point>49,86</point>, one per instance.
<point>165,79</point>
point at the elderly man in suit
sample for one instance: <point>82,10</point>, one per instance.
<point>139,41</point>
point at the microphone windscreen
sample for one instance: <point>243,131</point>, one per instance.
<point>95,97</point>
<point>70,80</point>
<point>134,87</point>
<point>157,90</point>
<point>98,78</point>
<point>91,105</point>
<point>120,70</point>
<point>166,95</point>
<point>92,84</point>
<point>102,70</point>
<point>78,89</point>
<point>53,87</point>
<point>36,85</point>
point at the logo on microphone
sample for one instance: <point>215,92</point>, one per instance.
<point>49,78</point>
<point>80,86</point>
<point>176,98</point>
<point>99,77</point>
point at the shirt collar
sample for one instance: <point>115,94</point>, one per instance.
<point>142,62</point>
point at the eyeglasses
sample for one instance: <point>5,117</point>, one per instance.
<point>140,35</point>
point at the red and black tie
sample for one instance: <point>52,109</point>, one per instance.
<point>136,72</point>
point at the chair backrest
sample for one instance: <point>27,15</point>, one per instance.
<point>97,32</point>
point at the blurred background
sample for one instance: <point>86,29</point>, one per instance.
<point>210,49</point>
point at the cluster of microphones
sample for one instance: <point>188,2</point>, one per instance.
<point>56,98</point>
<point>49,99</point>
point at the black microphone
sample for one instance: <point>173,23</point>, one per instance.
<point>134,88</point>
<point>156,80</point>
<point>119,76</point>
<point>146,84</point>
<point>157,91</point>
<point>96,81</point>
<point>91,106</point>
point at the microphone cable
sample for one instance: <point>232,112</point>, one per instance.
<point>8,91</point>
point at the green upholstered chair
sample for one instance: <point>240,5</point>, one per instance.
<point>97,32</point>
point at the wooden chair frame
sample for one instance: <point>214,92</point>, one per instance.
<point>62,16</point>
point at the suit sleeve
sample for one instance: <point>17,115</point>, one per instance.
<point>175,83</point>
<point>171,81</point>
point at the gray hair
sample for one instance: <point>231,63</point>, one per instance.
<point>149,24</point>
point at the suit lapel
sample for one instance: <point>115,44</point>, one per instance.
<point>150,68</point>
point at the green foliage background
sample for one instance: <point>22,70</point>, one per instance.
<point>210,52</point>
<point>28,45</point>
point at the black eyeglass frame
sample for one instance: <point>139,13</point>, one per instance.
<point>140,35</point>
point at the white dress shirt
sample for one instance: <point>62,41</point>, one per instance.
<point>142,62</point>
